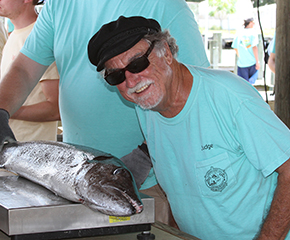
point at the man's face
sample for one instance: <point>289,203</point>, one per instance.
<point>149,87</point>
<point>11,8</point>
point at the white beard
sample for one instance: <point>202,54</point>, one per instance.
<point>148,101</point>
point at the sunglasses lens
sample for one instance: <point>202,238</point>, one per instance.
<point>138,65</point>
<point>115,77</point>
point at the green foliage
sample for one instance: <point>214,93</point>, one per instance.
<point>221,8</point>
<point>215,28</point>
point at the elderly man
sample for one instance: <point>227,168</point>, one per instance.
<point>61,34</point>
<point>219,152</point>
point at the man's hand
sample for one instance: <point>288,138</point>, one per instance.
<point>139,163</point>
<point>6,134</point>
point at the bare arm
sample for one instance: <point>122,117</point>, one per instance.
<point>271,62</point>
<point>277,223</point>
<point>237,52</point>
<point>44,111</point>
<point>255,51</point>
<point>19,81</point>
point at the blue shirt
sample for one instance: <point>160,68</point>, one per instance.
<point>216,159</point>
<point>92,112</point>
<point>272,45</point>
<point>10,26</point>
<point>244,42</point>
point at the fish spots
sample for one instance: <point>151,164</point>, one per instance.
<point>73,166</point>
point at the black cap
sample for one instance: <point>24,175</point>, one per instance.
<point>117,37</point>
<point>249,20</point>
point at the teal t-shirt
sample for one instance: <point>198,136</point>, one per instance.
<point>244,42</point>
<point>274,44</point>
<point>272,47</point>
<point>92,112</point>
<point>216,159</point>
<point>10,26</point>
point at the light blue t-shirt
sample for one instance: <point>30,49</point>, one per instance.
<point>10,26</point>
<point>248,37</point>
<point>92,112</point>
<point>272,45</point>
<point>216,159</point>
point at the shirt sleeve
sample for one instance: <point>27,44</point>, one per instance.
<point>274,44</point>
<point>50,73</point>
<point>39,44</point>
<point>234,43</point>
<point>264,137</point>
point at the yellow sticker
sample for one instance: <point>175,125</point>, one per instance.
<point>114,219</point>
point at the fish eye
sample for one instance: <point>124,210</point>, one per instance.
<point>117,170</point>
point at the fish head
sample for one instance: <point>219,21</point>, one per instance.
<point>108,186</point>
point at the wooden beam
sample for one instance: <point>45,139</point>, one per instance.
<point>282,76</point>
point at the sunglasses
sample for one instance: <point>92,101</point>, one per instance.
<point>137,65</point>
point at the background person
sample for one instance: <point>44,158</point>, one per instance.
<point>92,113</point>
<point>10,26</point>
<point>272,57</point>
<point>223,177</point>
<point>3,39</point>
<point>245,45</point>
<point>37,118</point>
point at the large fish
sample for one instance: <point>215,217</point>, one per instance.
<point>77,173</point>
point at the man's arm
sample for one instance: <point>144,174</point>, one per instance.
<point>255,51</point>
<point>237,52</point>
<point>19,81</point>
<point>271,62</point>
<point>277,223</point>
<point>45,111</point>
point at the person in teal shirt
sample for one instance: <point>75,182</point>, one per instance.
<point>10,26</point>
<point>92,113</point>
<point>219,152</point>
<point>272,57</point>
<point>245,45</point>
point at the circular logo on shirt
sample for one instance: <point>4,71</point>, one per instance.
<point>216,179</point>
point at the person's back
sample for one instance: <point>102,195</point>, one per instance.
<point>245,45</point>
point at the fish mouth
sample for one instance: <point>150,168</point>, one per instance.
<point>137,206</point>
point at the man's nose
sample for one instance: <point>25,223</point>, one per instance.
<point>131,79</point>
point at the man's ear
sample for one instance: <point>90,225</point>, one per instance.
<point>168,55</point>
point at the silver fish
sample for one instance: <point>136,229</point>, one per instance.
<point>77,173</point>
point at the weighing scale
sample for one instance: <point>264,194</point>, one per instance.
<point>29,211</point>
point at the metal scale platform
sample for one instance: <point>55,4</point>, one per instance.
<point>29,211</point>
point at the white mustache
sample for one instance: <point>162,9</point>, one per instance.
<point>138,86</point>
